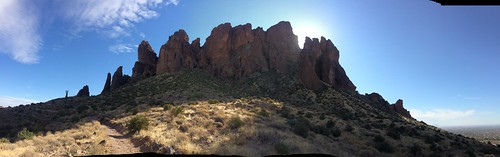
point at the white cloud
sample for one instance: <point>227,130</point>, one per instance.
<point>142,35</point>
<point>19,36</point>
<point>12,101</point>
<point>114,18</point>
<point>442,117</point>
<point>121,48</point>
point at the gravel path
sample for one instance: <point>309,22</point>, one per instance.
<point>118,143</point>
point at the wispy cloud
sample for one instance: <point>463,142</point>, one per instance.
<point>19,36</point>
<point>444,117</point>
<point>113,18</point>
<point>121,48</point>
<point>471,98</point>
<point>12,101</point>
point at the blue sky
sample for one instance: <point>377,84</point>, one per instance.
<point>442,61</point>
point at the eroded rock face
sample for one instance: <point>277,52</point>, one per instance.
<point>321,58</point>
<point>145,66</point>
<point>118,78</point>
<point>84,92</point>
<point>282,46</point>
<point>174,53</point>
<point>398,108</point>
<point>107,85</point>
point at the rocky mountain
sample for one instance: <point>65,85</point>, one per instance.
<point>84,92</point>
<point>245,91</point>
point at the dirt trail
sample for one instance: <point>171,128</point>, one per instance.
<point>118,143</point>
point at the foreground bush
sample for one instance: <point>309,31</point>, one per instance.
<point>25,134</point>
<point>177,110</point>
<point>138,123</point>
<point>235,123</point>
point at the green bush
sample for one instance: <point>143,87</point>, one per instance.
<point>379,138</point>
<point>336,132</point>
<point>281,148</point>
<point>349,128</point>
<point>384,147</point>
<point>213,101</point>
<point>167,107</point>
<point>301,126</point>
<point>309,115</point>
<point>284,112</point>
<point>138,123</point>
<point>25,134</point>
<point>4,140</point>
<point>330,123</point>
<point>82,108</point>
<point>235,123</point>
<point>394,133</point>
<point>177,110</point>
<point>263,112</point>
<point>322,117</point>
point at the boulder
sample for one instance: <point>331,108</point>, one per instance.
<point>84,92</point>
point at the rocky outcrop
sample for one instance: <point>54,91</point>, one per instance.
<point>118,78</point>
<point>145,66</point>
<point>84,92</point>
<point>232,52</point>
<point>107,85</point>
<point>175,54</point>
<point>321,59</point>
<point>398,108</point>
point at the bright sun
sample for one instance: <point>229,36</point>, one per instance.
<point>307,29</point>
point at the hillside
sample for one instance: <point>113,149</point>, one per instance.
<point>244,92</point>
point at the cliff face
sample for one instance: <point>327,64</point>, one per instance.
<point>240,51</point>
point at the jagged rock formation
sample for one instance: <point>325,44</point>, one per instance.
<point>107,85</point>
<point>176,53</point>
<point>118,78</point>
<point>232,52</point>
<point>145,66</point>
<point>377,101</point>
<point>319,66</point>
<point>84,92</point>
<point>237,52</point>
<point>398,108</point>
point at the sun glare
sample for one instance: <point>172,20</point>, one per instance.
<point>307,29</point>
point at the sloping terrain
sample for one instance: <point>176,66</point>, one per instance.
<point>194,112</point>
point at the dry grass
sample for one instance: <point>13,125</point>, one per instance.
<point>77,141</point>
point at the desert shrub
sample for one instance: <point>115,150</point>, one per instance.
<point>138,123</point>
<point>263,112</point>
<point>281,148</point>
<point>25,134</point>
<point>349,128</point>
<point>336,132</point>
<point>490,150</point>
<point>213,101</point>
<point>394,133</point>
<point>322,117</point>
<point>379,138</point>
<point>433,139</point>
<point>300,113</point>
<point>82,108</point>
<point>470,152</point>
<point>416,150</point>
<point>330,123</point>
<point>4,140</point>
<point>284,112</point>
<point>367,126</point>
<point>167,107</point>
<point>135,110</point>
<point>235,123</point>
<point>384,147</point>
<point>301,126</point>
<point>177,110</point>
<point>309,115</point>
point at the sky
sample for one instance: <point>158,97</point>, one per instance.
<point>443,61</point>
